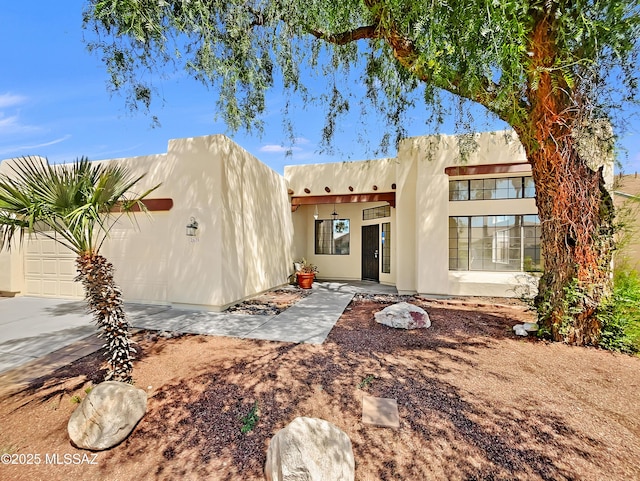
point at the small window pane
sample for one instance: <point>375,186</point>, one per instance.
<point>502,189</point>
<point>459,190</point>
<point>477,189</point>
<point>529,188</point>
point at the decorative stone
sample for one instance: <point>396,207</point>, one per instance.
<point>107,415</point>
<point>519,330</point>
<point>530,326</point>
<point>310,449</point>
<point>379,411</point>
<point>403,316</point>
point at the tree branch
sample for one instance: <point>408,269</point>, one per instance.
<point>404,51</point>
<point>366,32</point>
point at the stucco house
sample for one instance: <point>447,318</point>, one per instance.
<point>425,221</point>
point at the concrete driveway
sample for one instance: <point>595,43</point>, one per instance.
<point>32,327</point>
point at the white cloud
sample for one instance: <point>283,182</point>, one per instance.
<point>278,149</point>
<point>301,141</point>
<point>27,149</point>
<point>10,122</point>
<point>12,125</point>
<point>9,100</point>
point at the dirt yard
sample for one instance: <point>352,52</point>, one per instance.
<point>475,403</point>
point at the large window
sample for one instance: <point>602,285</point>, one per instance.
<point>489,189</point>
<point>332,237</point>
<point>495,243</point>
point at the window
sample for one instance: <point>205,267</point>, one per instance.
<point>495,243</point>
<point>376,212</point>
<point>386,247</point>
<point>332,237</point>
<point>492,189</point>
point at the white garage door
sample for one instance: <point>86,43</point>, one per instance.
<point>49,270</point>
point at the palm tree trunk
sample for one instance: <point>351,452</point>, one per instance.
<point>104,300</point>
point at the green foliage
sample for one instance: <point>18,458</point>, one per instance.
<point>620,316</point>
<point>573,300</point>
<point>76,399</point>
<point>366,381</point>
<point>250,420</point>
<point>476,50</point>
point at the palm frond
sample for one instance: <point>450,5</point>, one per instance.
<point>72,204</point>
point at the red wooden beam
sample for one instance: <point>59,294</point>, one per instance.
<point>389,197</point>
<point>152,205</point>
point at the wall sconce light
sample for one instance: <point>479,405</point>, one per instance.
<point>315,214</point>
<point>192,227</point>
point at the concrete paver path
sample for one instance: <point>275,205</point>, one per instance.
<point>32,328</point>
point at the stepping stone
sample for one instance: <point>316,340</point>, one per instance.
<point>379,411</point>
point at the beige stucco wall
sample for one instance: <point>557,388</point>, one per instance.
<point>339,176</point>
<point>244,239</point>
<point>11,262</point>
<point>362,176</point>
<point>432,155</point>
<point>244,242</point>
<point>342,267</point>
<point>420,220</point>
<point>257,240</point>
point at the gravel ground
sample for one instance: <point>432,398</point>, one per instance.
<point>270,303</point>
<point>475,403</point>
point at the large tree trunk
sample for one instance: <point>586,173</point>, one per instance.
<point>576,213</point>
<point>104,299</point>
<point>574,206</point>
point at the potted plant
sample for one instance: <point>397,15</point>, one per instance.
<point>305,273</point>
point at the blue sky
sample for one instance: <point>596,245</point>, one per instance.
<point>54,102</point>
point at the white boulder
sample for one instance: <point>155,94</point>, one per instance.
<point>310,449</point>
<point>403,316</point>
<point>519,330</point>
<point>107,415</point>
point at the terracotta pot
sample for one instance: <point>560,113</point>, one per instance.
<point>305,279</point>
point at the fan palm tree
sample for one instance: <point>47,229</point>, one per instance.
<point>76,205</point>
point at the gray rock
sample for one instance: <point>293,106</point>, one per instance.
<point>310,449</point>
<point>530,326</point>
<point>403,316</point>
<point>107,415</point>
<point>519,330</point>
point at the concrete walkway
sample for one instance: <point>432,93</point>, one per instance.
<point>37,332</point>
